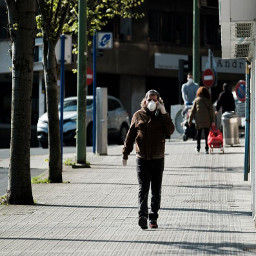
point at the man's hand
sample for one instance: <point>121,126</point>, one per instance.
<point>161,108</point>
<point>124,161</point>
<point>216,112</point>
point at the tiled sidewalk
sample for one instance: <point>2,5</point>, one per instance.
<point>205,209</point>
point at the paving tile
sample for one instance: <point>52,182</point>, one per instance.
<point>205,209</point>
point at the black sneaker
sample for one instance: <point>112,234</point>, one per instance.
<point>206,151</point>
<point>153,224</point>
<point>197,150</point>
<point>143,222</point>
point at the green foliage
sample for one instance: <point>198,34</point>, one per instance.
<point>99,12</point>
<point>15,26</point>
<point>3,200</point>
<point>53,14</point>
<point>40,179</point>
<point>69,162</point>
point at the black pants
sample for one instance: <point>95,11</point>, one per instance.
<point>150,172</point>
<point>199,133</point>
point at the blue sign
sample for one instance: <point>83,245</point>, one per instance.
<point>104,40</point>
<point>240,90</point>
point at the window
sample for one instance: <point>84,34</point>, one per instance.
<point>113,104</point>
<point>174,28</point>
<point>183,29</point>
<point>3,23</point>
<point>71,105</point>
<point>160,26</point>
<point>126,29</point>
<point>38,53</point>
<point>177,28</point>
<point>116,104</point>
<point>121,28</point>
<point>210,30</point>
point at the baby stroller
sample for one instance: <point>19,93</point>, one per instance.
<point>188,131</point>
<point>215,139</point>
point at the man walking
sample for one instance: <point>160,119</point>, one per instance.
<point>148,129</point>
<point>188,91</point>
<point>225,100</point>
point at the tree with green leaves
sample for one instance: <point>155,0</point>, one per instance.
<point>99,12</point>
<point>53,15</point>
<point>56,17</point>
<point>22,30</point>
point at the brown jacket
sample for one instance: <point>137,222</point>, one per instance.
<point>148,131</point>
<point>203,113</point>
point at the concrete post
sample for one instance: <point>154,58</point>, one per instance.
<point>102,121</point>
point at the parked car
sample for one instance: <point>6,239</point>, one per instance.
<point>118,121</point>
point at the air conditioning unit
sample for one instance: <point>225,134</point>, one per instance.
<point>237,39</point>
<point>237,20</point>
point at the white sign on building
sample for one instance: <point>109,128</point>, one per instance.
<point>168,61</point>
<point>235,66</point>
<point>171,62</point>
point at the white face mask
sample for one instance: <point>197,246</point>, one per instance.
<point>190,80</point>
<point>151,105</point>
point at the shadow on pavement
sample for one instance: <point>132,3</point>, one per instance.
<point>221,248</point>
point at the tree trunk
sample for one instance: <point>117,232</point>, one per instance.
<point>22,28</point>
<point>50,70</point>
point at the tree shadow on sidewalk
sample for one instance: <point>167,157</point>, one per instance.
<point>218,248</point>
<point>244,213</point>
<point>86,206</point>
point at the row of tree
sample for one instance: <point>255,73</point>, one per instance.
<point>49,18</point>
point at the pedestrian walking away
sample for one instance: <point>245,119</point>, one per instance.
<point>148,129</point>
<point>188,91</point>
<point>225,100</point>
<point>203,113</point>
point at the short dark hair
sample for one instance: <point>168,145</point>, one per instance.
<point>226,87</point>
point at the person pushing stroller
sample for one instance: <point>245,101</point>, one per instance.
<point>188,92</point>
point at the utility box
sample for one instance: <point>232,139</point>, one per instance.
<point>101,120</point>
<point>237,20</point>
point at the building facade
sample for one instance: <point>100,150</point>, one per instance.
<point>145,55</point>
